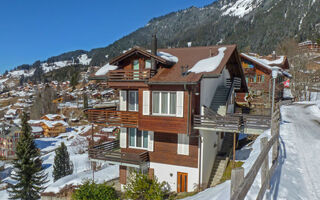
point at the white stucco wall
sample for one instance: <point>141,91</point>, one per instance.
<point>163,171</point>
<point>209,87</point>
<point>210,146</point>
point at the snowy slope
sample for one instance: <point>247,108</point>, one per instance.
<point>240,8</point>
<point>296,176</point>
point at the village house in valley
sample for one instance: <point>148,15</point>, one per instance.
<point>258,73</point>
<point>160,93</point>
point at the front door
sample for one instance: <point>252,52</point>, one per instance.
<point>182,181</point>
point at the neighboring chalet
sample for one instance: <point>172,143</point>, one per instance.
<point>258,73</point>
<point>50,125</point>
<point>160,93</point>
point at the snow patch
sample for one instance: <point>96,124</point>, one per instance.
<point>240,8</point>
<point>209,64</point>
<point>105,69</point>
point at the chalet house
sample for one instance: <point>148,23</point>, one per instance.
<point>160,93</point>
<point>8,141</point>
<point>53,128</point>
<point>258,73</point>
<point>54,117</point>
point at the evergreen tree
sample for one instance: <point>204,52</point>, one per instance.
<point>28,171</point>
<point>62,165</point>
<point>74,80</point>
<point>85,100</point>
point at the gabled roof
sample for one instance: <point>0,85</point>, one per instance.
<point>190,57</point>
<point>266,62</point>
<point>141,51</point>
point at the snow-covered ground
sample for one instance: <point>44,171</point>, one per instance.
<point>296,176</point>
<point>77,148</point>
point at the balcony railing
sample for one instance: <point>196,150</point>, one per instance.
<point>110,152</point>
<point>130,75</point>
<point>113,117</point>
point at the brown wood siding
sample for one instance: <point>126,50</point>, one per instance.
<point>168,124</point>
<point>123,174</point>
<point>165,150</point>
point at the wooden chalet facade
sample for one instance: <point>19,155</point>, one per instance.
<point>159,96</point>
<point>258,73</point>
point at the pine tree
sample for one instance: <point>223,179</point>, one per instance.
<point>85,100</point>
<point>62,164</point>
<point>28,171</point>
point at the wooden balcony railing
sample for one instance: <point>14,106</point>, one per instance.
<point>130,75</point>
<point>113,117</point>
<point>110,151</point>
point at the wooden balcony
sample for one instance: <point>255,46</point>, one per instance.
<point>110,152</point>
<point>113,118</point>
<point>130,75</point>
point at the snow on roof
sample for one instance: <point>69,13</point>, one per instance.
<point>36,129</point>
<point>51,124</point>
<point>53,116</point>
<point>209,64</point>
<point>11,112</point>
<point>104,69</point>
<point>168,57</point>
<point>273,62</point>
<point>261,62</point>
<point>109,129</point>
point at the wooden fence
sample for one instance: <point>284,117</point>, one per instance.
<point>240,185</point>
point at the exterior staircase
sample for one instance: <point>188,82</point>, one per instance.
<point>218,103</point>
<point>221,161</point>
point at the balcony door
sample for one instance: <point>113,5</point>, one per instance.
<point>133,101</point>
<point>182,182</point>
<point>136,68</point>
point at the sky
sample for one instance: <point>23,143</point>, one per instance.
<point>33,30</point>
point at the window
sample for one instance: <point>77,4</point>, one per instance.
<point>251,80</point>
<point>259,79</point>
<point>138,139</point>
<point>148,64</point>
<point>133,101</point>
<point>164,103</point>
<point>136,65</point>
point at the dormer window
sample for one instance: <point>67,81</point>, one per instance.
<point>148,64</point>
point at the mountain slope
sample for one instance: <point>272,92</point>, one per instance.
<point>255,25</point>
<point>258,25</point>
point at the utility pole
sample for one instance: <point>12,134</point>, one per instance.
<point>274,76</point>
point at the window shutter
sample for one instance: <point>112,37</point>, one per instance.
<point>183,144</point>
<point>146,102</point>
<point>123,100</point>
<point>180,95</point>
<point>123,137</point>
<point>150,140</point>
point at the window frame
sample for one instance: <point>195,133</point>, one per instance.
<point>160,104</point>
<point>135,139</point>
<point>136,98</point>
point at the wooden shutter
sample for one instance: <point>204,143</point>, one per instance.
<point>123,100</point>
<point>123,137</point>
<point>150,140</point>
<point>183,144</point>
<point>146,102</point>
<point>180,95</point>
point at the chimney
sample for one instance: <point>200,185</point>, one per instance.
<point>274,55</point>
<point>154,47</point>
